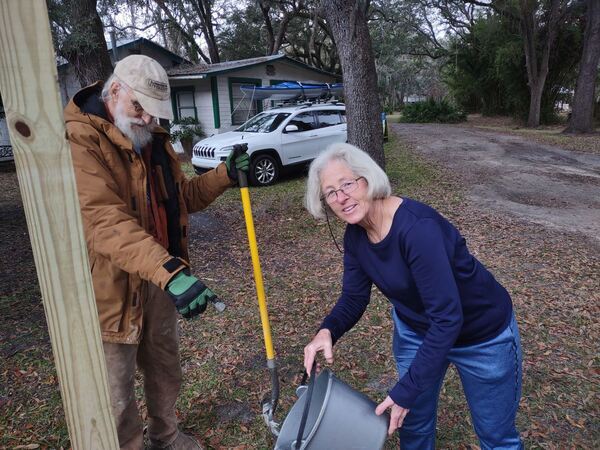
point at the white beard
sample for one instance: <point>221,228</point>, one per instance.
<point>135,129</point>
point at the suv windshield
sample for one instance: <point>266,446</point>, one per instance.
<point>263,123</point>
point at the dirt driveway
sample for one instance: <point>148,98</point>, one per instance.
<point>539,183</point>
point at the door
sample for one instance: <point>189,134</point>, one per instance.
<point>332,128</point>
<point>301,145</point>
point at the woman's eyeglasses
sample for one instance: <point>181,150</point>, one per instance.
<point>347,187</point>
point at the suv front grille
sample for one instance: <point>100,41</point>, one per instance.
<point>204,152</point>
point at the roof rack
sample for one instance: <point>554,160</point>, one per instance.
<point>305,104</point>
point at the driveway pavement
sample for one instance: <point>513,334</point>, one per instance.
<point>544,184</point>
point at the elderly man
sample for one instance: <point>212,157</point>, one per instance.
<point>135,203</point>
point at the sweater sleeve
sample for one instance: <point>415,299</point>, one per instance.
<point>429,263</point>
<point>356,293</point>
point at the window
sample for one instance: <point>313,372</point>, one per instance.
<point>263,123</point>
<point>304,121</point>
<point>186,104</point>
<point>243,107</point>
<point>328,118</point>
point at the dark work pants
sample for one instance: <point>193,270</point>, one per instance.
<point>157,356</point>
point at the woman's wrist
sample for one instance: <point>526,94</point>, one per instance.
<point>324,332</point>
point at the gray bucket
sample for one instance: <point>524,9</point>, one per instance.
<point>339,418</point>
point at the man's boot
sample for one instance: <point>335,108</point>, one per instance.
<point>182,442</point>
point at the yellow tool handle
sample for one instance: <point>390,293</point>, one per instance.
<point>258,279</point>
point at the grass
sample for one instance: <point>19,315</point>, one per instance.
<point>29,393</point>
<point>223,354</point>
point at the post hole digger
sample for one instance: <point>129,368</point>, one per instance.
<point>324,406</point>
<point>269,405</point>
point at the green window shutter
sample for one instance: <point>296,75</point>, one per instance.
<point>214,89</point>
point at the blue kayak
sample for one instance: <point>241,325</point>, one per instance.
<point>290,90</point>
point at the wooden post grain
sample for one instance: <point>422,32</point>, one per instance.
<point>28,82</point>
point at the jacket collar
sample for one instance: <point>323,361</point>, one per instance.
<point>86,106</point>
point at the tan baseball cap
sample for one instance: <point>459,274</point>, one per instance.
<point>150,83</point>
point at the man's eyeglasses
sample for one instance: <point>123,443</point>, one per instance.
<point>137,107</point>
<point>347,187</point>
<point>134,103</point>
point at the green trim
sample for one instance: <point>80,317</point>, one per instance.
<point>174,105</point>
<point>214,90</point>
<point>254,81</point>
<point>175,91</point>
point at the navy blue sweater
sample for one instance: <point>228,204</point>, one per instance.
<point>437,287</point>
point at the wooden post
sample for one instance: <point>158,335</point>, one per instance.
<point>28,82</point>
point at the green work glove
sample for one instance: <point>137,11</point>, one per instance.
<point>241,161</point>
<point>189,294</point>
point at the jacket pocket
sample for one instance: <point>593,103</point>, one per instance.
<point>111,290</point>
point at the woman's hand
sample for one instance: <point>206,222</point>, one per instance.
<point>321,342</point>
<point>397,414</point>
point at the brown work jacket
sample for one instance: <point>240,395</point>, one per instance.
<point>112,186</point>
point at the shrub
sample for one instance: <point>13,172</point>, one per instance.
<point>431,110</point>
<point>187,129</point>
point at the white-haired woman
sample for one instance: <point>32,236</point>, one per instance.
<point>447,307</point>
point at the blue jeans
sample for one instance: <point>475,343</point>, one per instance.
<point>490,373</point>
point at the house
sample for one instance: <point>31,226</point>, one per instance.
<point>208,92</point>
<point>69,84</point>
<point>211,92</point>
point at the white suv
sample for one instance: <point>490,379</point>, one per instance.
<point>277,138</point>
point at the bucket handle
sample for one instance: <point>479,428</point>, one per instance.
<point>308,396</point>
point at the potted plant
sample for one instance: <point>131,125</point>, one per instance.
<point>184,130</point>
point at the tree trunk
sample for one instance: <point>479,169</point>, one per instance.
<point>582,115</point>
<point>536,78</point>
<point>87,52</point>
<point>264,9</point>
<point>348,22</point>
<point>535,103</point>
<point>188,146</point>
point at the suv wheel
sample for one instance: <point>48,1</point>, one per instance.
<point>264,170</point>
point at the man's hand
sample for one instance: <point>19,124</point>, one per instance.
<point>238,159</point>
<point>397,414</point>
<point>189,294</point>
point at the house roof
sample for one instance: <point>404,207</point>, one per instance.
<point>125,43</point>
<point>195,70</point>
<point>132,42</point>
